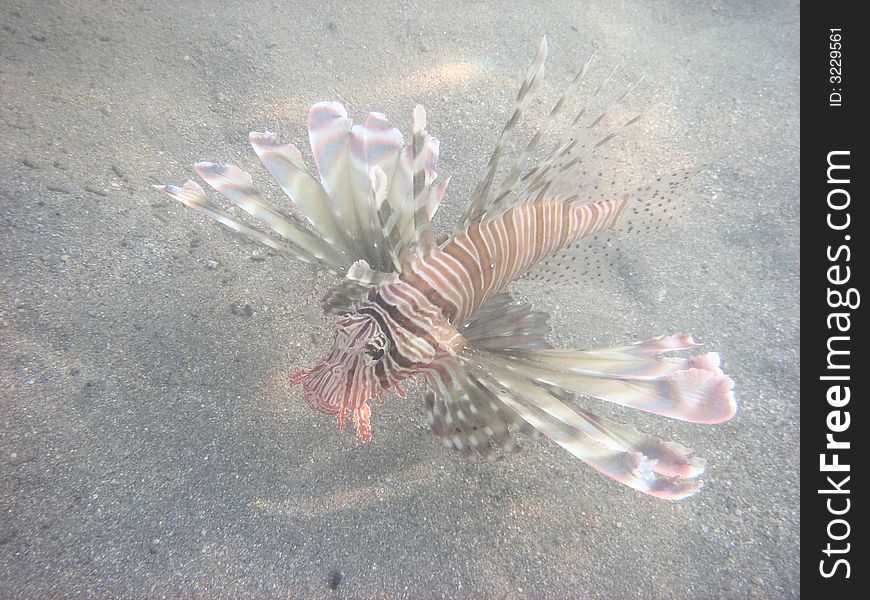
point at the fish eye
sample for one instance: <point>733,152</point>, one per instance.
<point>375,349</point>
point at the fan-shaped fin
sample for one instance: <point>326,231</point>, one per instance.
<point>504,325</point>
<point>193,196</point>
<point>466,416</point>
<point>386,215</point>
<point>284,162</point>
<point>236,186</point>
<point>375,144</point>
<point>615,452</point>
<point>339,156</point>
<point>690,389</point>
<point>671,459</point>
<point>641,361</point>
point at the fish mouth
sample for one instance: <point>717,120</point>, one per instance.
<point>339,388</point>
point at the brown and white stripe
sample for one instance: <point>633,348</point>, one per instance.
<point>478,263</point>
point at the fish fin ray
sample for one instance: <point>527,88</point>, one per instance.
<point>193,196</point>
<point>466,416</point>
<point>504,325</point>
<point>692,389</point>
<point>650,208</point>
<point>528,89</point>
<point>284,162</point>
<point>610,449</point>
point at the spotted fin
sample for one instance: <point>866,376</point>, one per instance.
<point>651,206</point>
<point>466,416</point>
<point>507,185</point>
<point>569,172</point>
<point>528,89</point>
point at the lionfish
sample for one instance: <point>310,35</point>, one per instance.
<point>411,303</point>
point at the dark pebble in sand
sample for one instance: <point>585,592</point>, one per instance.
<point>245,310</point>
<point>334,579</point>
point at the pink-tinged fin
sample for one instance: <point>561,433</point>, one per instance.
<point>642,361</point>
<point>236,186</point>
<point>284,162</point>
<point>381,141</point>
<point>621,458</point>
<point>670,458</point>
<point>692,389</point>
<point>339,153</point>
<point>329,134</point>
<point>375,144</point>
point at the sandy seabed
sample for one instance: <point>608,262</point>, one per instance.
<point>150,445</point>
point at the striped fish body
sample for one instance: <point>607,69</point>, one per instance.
<point>477,264</point>
<point>409,306</point>
<point>404,328</point>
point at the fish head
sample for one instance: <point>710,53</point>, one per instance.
<point>344,380</point>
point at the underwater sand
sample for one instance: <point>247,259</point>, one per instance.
<point>150,445</point>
